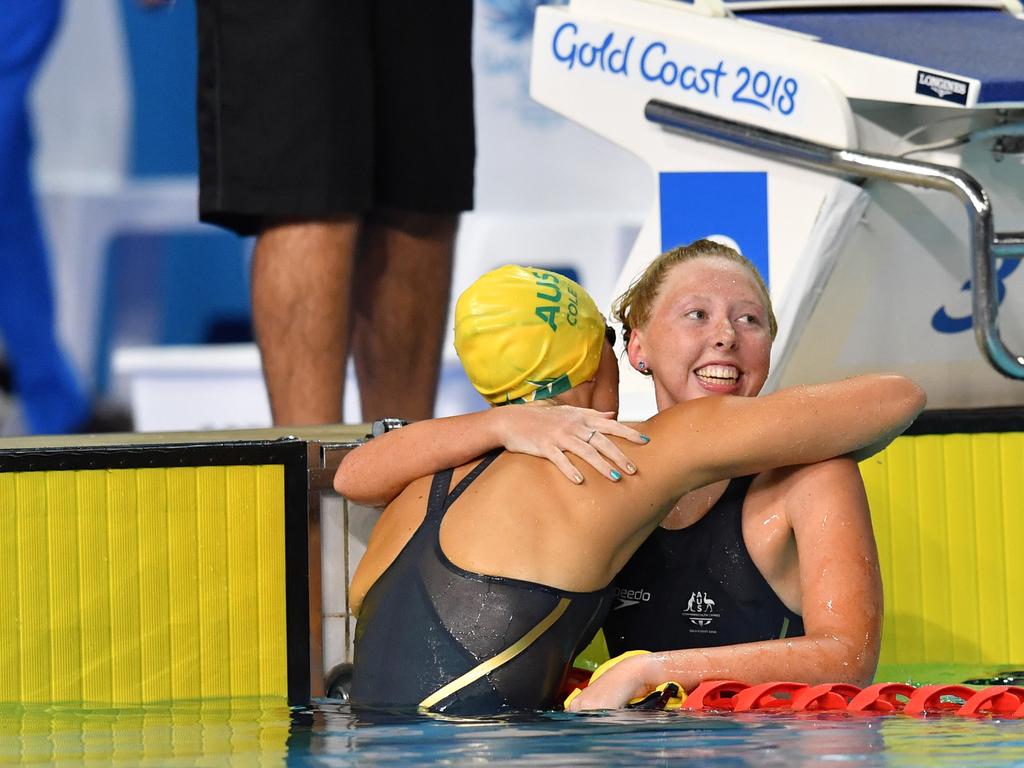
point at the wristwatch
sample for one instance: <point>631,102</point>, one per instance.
<point>380,426</point>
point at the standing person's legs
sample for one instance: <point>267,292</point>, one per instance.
<point>300,303</point>
<point>402,287</point>
<point>423,177</point>
<point>51,397</point>
<point>286,134</point>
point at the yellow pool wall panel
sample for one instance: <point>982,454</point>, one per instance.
<point>946,510</point>
<point>136,586</point>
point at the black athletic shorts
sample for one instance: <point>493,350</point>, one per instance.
<point>314,108</point>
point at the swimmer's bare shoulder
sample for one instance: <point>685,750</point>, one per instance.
<point>396,525</point>
<point>521,520</point>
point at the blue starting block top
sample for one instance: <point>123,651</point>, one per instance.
<point>986,45</point>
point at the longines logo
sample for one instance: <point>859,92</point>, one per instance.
<point>700,610</point>
<point>942,87</point>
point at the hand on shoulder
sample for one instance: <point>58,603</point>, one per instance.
<point>550,431</point>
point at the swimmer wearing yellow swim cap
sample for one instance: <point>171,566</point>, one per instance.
<point>527,334</point>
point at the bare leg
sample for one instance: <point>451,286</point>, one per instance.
<point>300,303</point>
<point>400,304</point>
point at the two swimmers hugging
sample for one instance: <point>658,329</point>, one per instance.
<point>487,572</point>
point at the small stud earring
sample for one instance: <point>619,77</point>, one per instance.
<point>641,365</point>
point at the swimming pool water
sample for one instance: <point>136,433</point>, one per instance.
<point>268,733</point>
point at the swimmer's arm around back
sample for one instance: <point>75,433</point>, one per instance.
<point>701,441</point>
<point>376,472</point>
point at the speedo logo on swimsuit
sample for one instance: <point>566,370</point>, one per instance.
<point>942,87</point>
<point>700,610</point>
<point>628,597</point>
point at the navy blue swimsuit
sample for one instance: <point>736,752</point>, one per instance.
<point>433,636</point>
<point>697,587</point>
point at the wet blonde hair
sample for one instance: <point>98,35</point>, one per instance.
<point>633,308</point>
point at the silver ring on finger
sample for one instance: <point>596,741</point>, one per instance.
<point>590,436</point>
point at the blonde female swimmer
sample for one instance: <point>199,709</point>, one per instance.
<point>772,577</point>
<point>480,584</point>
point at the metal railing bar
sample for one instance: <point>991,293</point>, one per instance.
<point>984,244</point>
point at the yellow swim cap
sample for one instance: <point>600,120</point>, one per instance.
<point>527,334</point>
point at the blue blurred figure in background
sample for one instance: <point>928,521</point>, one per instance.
<point>52,399</point>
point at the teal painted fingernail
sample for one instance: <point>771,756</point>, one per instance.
<point>645,438</point>
<point>615,475</point>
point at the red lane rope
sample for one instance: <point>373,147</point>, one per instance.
<point>827,697</point>
<point>714,694</point>
<point>999,701</point>
<point>935,699</point>
<point>882,697</point>
<point>767,696</point>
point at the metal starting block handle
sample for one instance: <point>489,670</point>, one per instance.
<point>985,245</point>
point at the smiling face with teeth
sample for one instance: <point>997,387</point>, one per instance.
<point>707,332</point>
